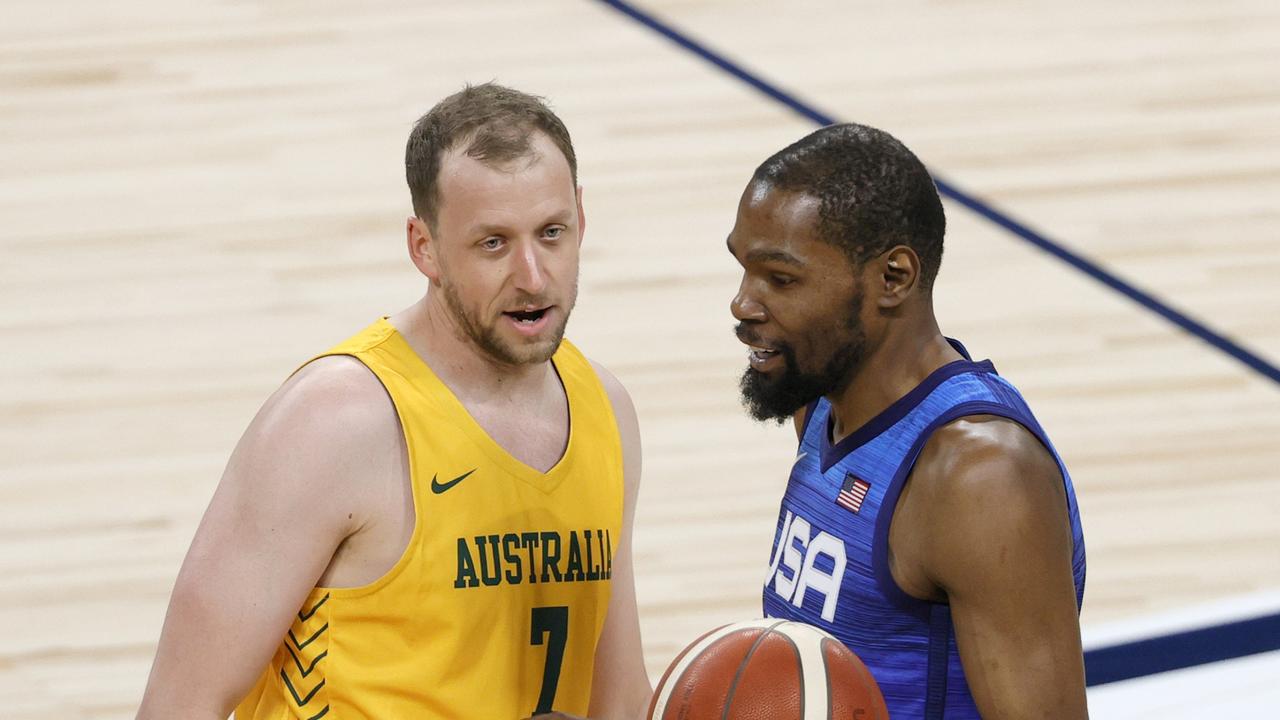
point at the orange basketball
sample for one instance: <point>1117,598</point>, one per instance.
<point>767,670</point>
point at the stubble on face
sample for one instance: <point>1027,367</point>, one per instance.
<point>470,327</point>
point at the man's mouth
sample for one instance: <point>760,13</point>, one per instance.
<point>527,316</point>
<point>758,351</point>
<point>530,321</point>
<point>761,355</point>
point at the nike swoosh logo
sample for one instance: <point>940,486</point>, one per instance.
<point>438,488</point>
<point>799,457</point>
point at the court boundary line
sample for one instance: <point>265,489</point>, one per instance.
<point>1185,649</point>
<point>1178,318</point>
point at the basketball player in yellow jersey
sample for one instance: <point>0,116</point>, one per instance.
<point>433,518</point>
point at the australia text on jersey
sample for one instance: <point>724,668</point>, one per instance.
<point>534,556</point>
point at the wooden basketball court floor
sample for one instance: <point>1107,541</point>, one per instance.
<point>195,197</point>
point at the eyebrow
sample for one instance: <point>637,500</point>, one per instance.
<point>556,218</point>
<point>778,256</point>
<point>487,229</point>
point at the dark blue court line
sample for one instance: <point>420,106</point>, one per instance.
<point>1182,650</point>
<point>946,189</point>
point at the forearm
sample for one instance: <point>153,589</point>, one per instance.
<point>171,698</point>
<point>207,660</point>
<point>174,708</point>
<point>625,703</point>
<point>186,686</point>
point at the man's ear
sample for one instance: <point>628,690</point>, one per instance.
<point>422,247</point>
<point>582,219</point>
<point>898,275</point>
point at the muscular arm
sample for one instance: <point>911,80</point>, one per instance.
<point>620,688</point>
<point>284,504</point>
<point>998,545</point>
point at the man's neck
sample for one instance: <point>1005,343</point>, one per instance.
<point>906,356</point>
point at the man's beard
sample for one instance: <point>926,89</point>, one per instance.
<point>487,339</point>
<point>780,397</point>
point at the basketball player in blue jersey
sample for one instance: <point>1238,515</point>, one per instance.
<point>928,523</point>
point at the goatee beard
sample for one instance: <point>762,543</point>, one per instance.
<point>779,398</point>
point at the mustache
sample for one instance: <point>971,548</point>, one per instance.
<point>745,334</point>
<point>532,300</point>
<point>748,335</point>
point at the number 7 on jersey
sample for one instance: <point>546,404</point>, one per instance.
<point>553,623</point>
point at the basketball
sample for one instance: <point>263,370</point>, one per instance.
<point>767,670</point>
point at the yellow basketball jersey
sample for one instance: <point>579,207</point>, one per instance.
<point>495,608</point>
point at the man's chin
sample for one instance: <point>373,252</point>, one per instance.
<point>539,353</point>
<point>769,397</point>
<point>527,351</point>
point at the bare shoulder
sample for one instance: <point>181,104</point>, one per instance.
<point>982,485</point>
<point>338,383</point>
<point>331,415</point>
<point>612,385</point>
<point>333,390</point>
<point>623,407</point>
<point>984,457</point>
<point>624,413</point>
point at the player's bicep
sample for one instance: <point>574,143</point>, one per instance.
<point>267,536</point>
<point>621,687</point>
<point>1003,556</point>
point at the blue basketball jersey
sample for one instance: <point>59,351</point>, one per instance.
<point>829,566</point>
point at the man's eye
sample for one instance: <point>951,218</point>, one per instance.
<point>492,243</point>
<point>781,280</point>
<point>553,232</point>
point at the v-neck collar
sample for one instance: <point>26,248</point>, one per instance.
<point>499,455</point>
<point>900,408</point>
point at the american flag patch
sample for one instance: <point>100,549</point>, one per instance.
<point>852,493</point>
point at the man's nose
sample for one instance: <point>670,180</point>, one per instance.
<point>530,276</point>
<point>744,307</point>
